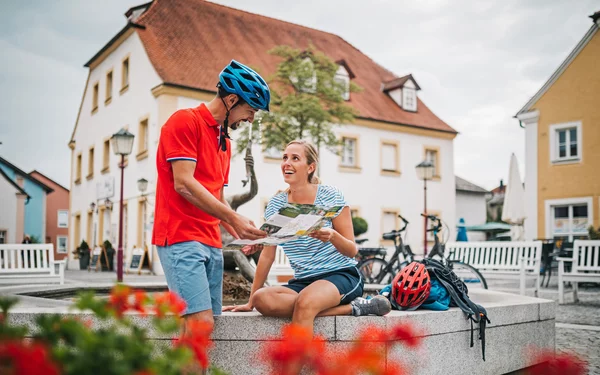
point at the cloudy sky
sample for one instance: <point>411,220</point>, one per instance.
<point>477,62</point>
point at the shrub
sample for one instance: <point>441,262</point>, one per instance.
<point>67,344</point>
<point>594,234</point>
<point>360,226</point>
<point>80,250</point>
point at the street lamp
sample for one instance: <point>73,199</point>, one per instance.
<point>425,172</point>
<point>122,144</point>
<point>142,184</point>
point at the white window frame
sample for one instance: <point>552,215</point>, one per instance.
<point>343,78</point>
<point>343,161</point>
<point>5,238</point>
<point>393,211</point>
<point>549,212</point>
<point>435,161</point>
<point>58,249</point>
<point>396,158</point>
<point>58,219</point>
<point>554,150</point>
<point>409,93</point>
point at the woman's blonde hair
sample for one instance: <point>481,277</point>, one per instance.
<point>312,157</point>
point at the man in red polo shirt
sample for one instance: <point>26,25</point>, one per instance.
<point>193,167</point>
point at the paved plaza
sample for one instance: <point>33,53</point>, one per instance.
<point>577,325</point>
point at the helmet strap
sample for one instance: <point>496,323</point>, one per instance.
<point>225,128</point>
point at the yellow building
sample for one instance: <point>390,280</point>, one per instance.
<point>562,146</point>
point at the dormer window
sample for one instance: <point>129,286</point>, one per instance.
<point>409,99</point>
<point>403,91</point>
<point>308,75</point>
<point>343,79</point>
<point>343,76</point>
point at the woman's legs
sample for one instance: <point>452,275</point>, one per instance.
<point>314,299</point>
<point>277,301</point>
<point>338,310</point>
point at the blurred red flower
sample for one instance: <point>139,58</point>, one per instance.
<point>367,354</point>
<point>26,359</point>
<point>140,299</point>
<point>549,363</point>
<point>168,302</point>
<point>407,334</point>
<point>295,347</point>
<point>197,339</point>
<point>118,299</point>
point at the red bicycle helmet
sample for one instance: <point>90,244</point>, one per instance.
<point>411,287</point>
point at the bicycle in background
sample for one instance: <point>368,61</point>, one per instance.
<point>466,272</point>
<point>376,270</point>
<point>380,271</point>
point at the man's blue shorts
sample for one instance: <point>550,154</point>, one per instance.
<point>195,272</point>
<point>348,281</point>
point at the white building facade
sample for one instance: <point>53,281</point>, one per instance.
<point>471,205</point>
<point>124,90</point>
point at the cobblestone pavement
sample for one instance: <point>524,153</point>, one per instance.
<point>585,343</point>
<point>582,342</point>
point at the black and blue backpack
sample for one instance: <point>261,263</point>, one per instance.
<point>459,297</point>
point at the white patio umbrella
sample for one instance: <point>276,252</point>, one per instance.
<point>513,211</point>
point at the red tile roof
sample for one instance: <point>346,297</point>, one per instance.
<point>499,190</point>
<point>190,41</point>
<point>397,83</point>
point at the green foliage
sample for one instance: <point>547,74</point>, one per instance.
<point>34,239</point>
<point>7,331</point>
<point>594,234</point>
<point>81,249</point>
<point>115,347</point>
<point>360,226</point>
<point>107,245</point>
<point>302,107</point>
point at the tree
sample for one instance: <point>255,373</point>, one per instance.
<point>306,102</point>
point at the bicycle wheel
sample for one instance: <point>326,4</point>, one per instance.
<point>469,275</point>
<point>374,271</point>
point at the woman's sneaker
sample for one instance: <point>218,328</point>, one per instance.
<point>378,305</point>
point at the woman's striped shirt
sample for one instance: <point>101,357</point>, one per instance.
<point>309,256</point>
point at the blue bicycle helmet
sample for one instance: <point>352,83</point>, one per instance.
<point>238,79</point>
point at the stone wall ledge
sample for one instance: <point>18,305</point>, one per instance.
<point>518,323</point>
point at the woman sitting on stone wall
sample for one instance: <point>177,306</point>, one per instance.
<point>326,281</point>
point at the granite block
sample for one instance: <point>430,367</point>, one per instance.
<point>547,310</point>
<point>238,357</point>
<point>348,327</point>
<point>508,348</point>
<point>429,322</point>
<point>254,326</point>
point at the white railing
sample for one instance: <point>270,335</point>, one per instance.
<point>585,267</point>
<point>28,263</point>
<point>501,260</point>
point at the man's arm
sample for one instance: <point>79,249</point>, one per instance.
<point>193,191</point>
<point>227,227</point>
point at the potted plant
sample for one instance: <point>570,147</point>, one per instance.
<point>360,226</point>
<point>83,254</point>
<point>110,253</point>
<point>594,234</point>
